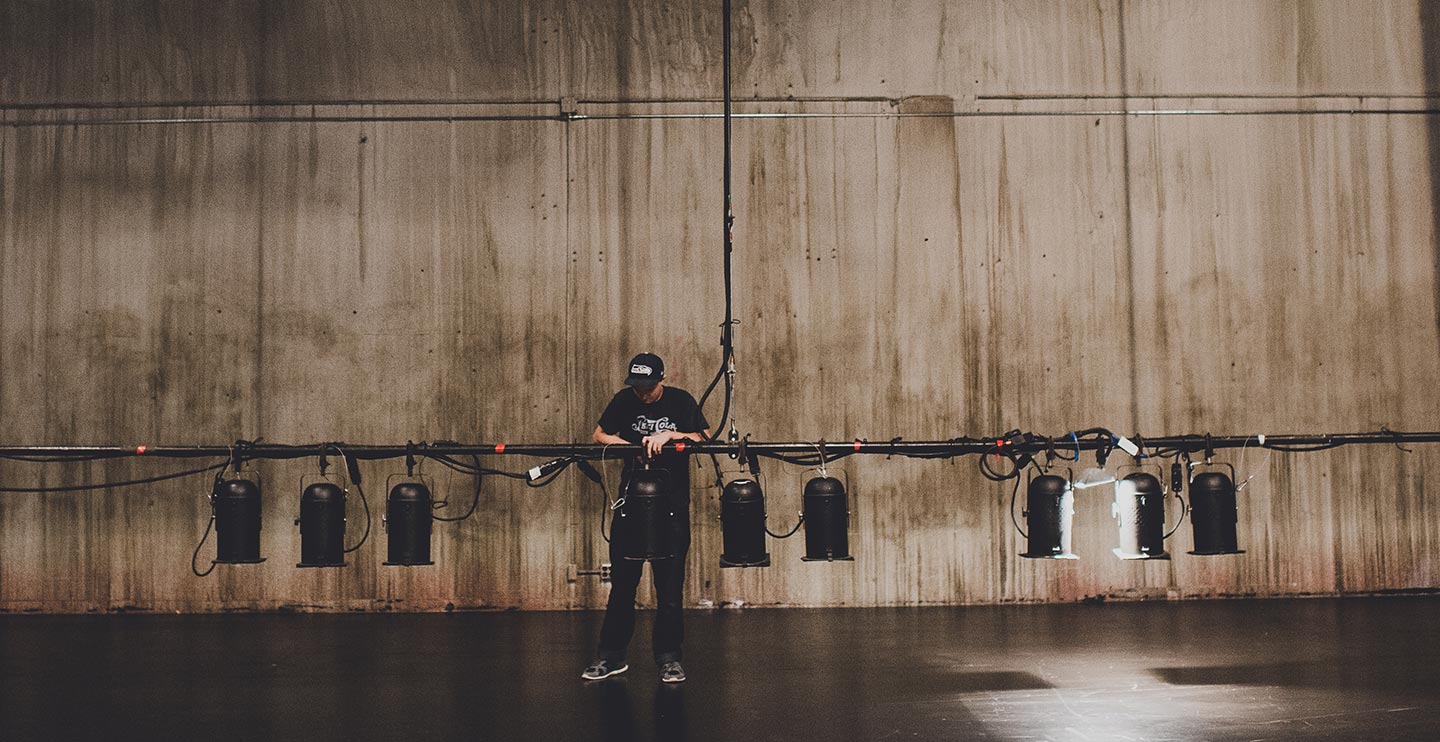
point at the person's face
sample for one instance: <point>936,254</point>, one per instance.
<point>647,394</point>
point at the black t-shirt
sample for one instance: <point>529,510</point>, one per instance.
<point>631,419</point>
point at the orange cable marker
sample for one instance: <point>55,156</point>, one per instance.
<point>499,448</point>
<point>139,450</point>
<point>857,445</point>
<point>679,446</point>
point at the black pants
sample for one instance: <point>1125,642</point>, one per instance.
<point>669,579</point>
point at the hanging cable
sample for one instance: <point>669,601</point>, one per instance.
<point>549,477</point>
<point>353,469</point>
<point>816,464</point>
<point>798,523</point>
<point>1184,511</point>
<point>474,501</point>
<point>727,328</point>
<point>214,487</point>
<point>1264,463</point>
<point>111,485</point>
<point>1301,448</point>
<point>1386,429</point>
<point>196,570</point>
<point>604,493</point>
<point>466,468</point>
<point>988,470</point>
<point>65,459</point>
<point>719,475</point>
<point>1013,494</point>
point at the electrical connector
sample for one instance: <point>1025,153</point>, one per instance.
<point>546,469</point>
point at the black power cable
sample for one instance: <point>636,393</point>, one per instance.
<point>214,488</point>
<point>66,459</point>
<point>1301,449</point>
<point>464,468</point>
<point>988,470</point>
<point>208,525</point>
<point>727,329</point>
<point>1184,511</point>
<point>599,479</point>
<point>549,479</point>
<point>352,467</point>
<point>474,501</point>
<point>125,483</point>
<point>798,523</point>
<point>1013,494</point>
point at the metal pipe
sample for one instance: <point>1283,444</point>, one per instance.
<point>150,121</point>
<point>957,446</point>
<point>314,103</point>
<point>258,102</point>
<point>1023,114</point>
<point>1214,96</point>
<point>178,120</point>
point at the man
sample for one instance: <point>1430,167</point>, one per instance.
<point>652,415</point>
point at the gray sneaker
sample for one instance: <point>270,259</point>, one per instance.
<point>605,668</point>
<point>672,672</point>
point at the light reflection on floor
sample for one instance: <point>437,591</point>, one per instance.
<point>1230,670</point>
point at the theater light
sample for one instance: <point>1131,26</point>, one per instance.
<point>742,525</point>
<point>1049,513</point>
<point>321,521</point>
<point>408,523</point>
<point>1213,511</point>
<point>827,521</point>
<point>236,507</point>
<point>1139,510</point>
<point>644,517</point>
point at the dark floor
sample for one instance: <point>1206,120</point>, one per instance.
<point>1362,669</point>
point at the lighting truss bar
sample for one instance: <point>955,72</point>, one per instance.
<point>16,123</point>
<point>952,447</point>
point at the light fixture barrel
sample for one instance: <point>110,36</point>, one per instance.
<point>827,521</point>
<point>644,523</point>
<point>407,520</point>
<point>322,526</point>
<point>1214,514</point>
<point>742,525</point>
<point>237,522</point>
<point>1139,510</point>
<point>1049,512</point>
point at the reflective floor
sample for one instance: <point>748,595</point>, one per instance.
<point>1361,669</point>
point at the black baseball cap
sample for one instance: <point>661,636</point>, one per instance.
<point>646,369</point>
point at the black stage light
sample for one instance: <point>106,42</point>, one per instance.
<point>322,522</point>
<point>408,523</point>
<point>1139,509</point>
<point>1213,512</point>
<point>236,506</point>
<point>827,521</point>
<point>1049,513</point>
<point>645,515</point>
<point>742,525</point>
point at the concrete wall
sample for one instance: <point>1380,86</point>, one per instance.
<point>304,265</point>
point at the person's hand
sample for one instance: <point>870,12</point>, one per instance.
<point>653,443</point>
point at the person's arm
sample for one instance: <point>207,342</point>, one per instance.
<point>653,443</point>
<point>601,436</point>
